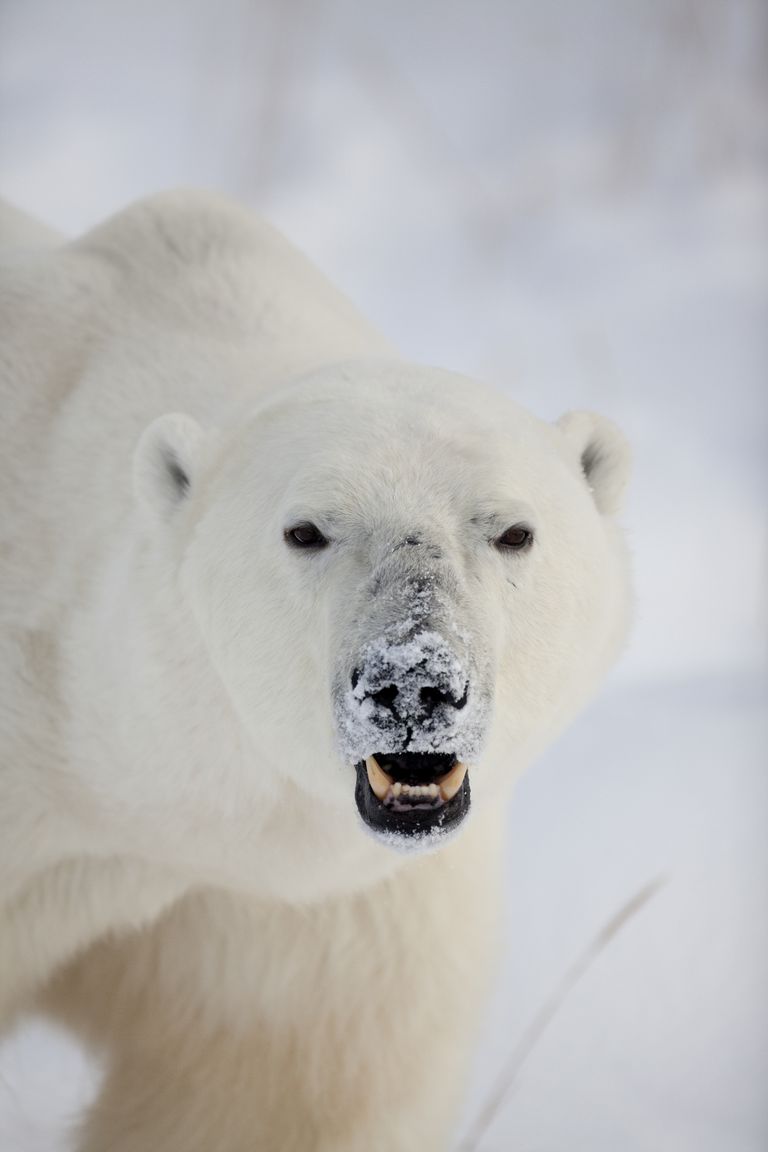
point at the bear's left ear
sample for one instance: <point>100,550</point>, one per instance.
<point>166,463</point>
<point>603,455</point>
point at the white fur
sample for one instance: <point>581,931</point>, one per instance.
<point>179,844</point>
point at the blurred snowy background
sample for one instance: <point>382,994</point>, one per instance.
<point>568,198</point>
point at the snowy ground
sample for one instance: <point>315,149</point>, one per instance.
<point>569,199</point>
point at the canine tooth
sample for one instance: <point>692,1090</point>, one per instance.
<point>451,783</point>
<point>379,781</point>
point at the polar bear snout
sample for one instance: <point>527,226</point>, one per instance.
<point>423,689</point>
<point>411,715</point>
<point>409,712</point>
<point>413,691</point>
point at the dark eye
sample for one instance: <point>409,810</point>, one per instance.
<point>516,538</point>
<point>305,535</point>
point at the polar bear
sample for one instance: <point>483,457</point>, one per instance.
<point>283,617</point>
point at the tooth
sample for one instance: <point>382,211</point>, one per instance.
<point>397,788</point>
<point>379,781</point>
<point>450,784</point>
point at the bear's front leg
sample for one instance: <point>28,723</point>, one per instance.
<point>236,1026</point>
<point>197,1093</point>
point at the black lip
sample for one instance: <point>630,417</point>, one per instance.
<point>410,825</point>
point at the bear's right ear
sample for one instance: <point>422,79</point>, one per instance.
<point>166,463</point>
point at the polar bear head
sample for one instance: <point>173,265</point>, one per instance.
<point>405,582</point>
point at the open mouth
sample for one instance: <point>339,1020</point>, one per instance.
<point>412,794</point>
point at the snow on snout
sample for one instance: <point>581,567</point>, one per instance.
<point>424,661</point>
<point>384,709</point>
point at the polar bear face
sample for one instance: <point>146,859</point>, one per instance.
<point>406,583</point>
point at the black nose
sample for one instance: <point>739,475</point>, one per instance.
<point>385,696</point>
<point>430,696</point>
